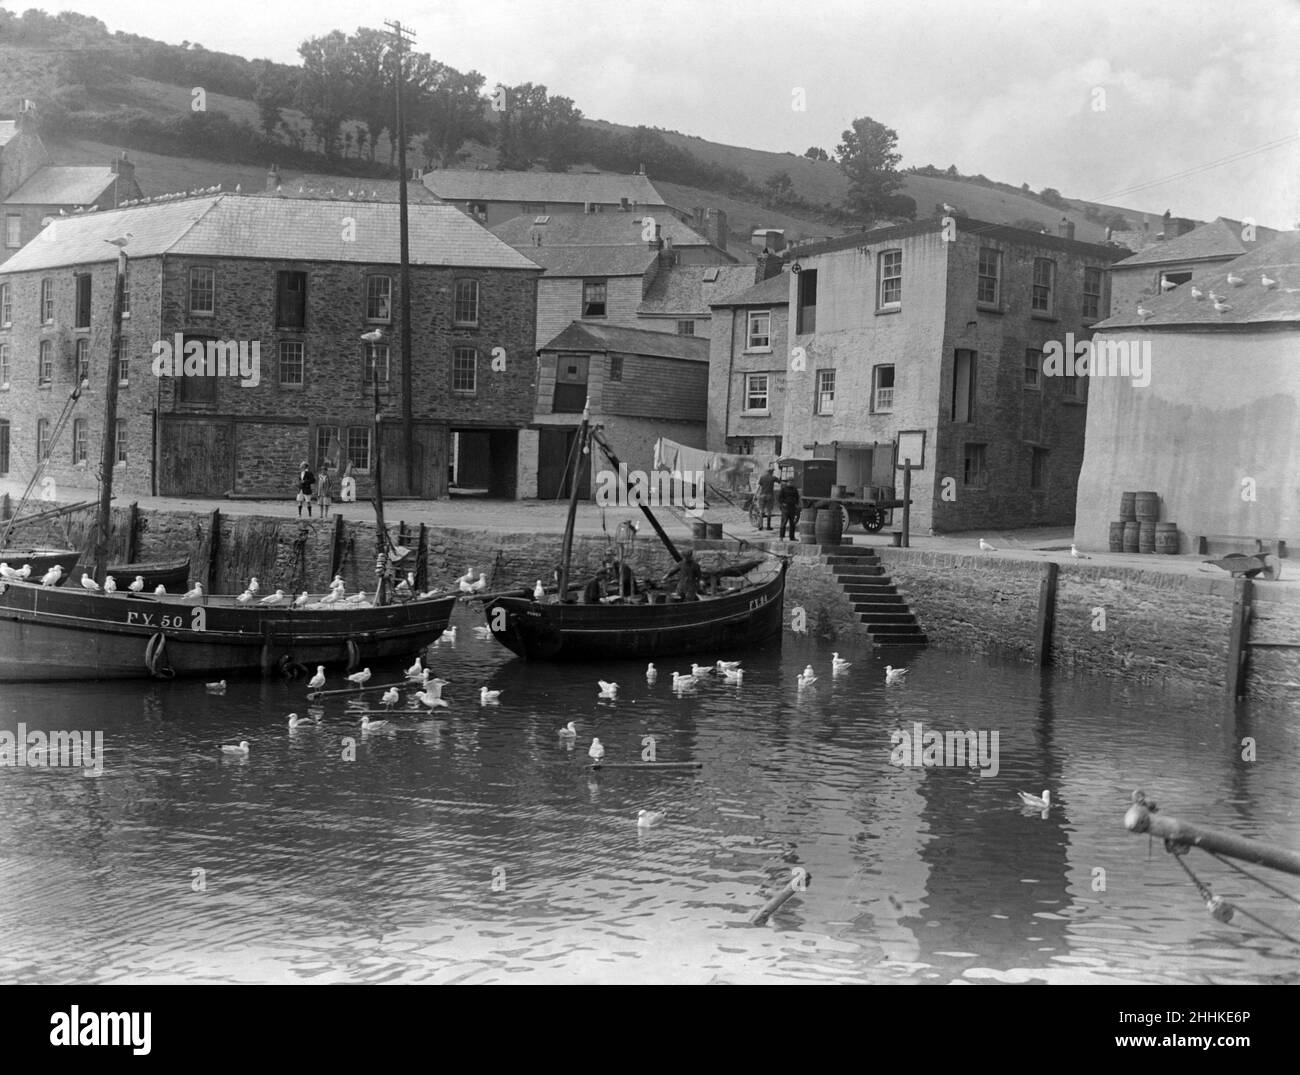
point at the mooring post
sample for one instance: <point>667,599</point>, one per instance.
<point>1047,611</point>
<point>336,553</point>
<point>421,561</point>
<point>1242,594</point>
<point>214,549</point>
<point>907,502</point>
<point>132,541</point>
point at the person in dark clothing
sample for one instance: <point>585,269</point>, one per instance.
<point>766,497</point>
<point>611,572</point>
<point>688,575</point>
<point>591,593</point>
<point>789,498</point>
<point>306,482</point>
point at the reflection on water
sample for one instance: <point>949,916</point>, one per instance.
<point>475,845</point>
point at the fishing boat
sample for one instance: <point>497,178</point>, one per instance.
<point>61,633</point>
<point>172,575</point>
<point>642,626</point>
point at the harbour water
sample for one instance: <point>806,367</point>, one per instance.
<point>477,846</point>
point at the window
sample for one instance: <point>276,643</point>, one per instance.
<point>6,305</point>
<point>326,436</point>
<point>79,441</point>
<point>758,335</point>
<point>963,386</point>
<point>42,438</point>
<point>1038,468</point>
<point>807,315</point>
<point>593,298</point>
<point>685,328</point>
<point>464,369</point>
<point>47,301</point>
<point>13,230</point>
<point>740,445</point>
<point>1071,387</point>
<point>4,445</point>
<point>479,211</point>
<point>126,292</point>
<point>200,391</point>
<point>615,367</point>
<point>973,472</point>
<point>990,277</point>
<point>291,299</point>
<point>1033,367</point>
<point>379,299</point>
<point>1171,278</point>
<point>376,359</point>
<point>359,447</point>
<point>45,362</point>
<point>119,442</point>
<point>891,279</point>
<point>4,365</point>
<point>1092,292</point>
<point>882,389</point>
<point>123,365</point>
<point>82,310</point>
<point>83,360</point>
<point>756,399</point>
<point>465,308</point>
<point>1044,278</point>
<point>203,290</point>
<point>291,362</point>
<point>570,384</point>
<point>825,403</point>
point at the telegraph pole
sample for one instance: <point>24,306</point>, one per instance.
<point>402,36</point>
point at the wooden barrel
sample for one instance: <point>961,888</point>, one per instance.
<point>1147,507</point>
<point>699,529</point>
<point>714,531</point>
<point>1130,537</point>
<point>1167,538</point>
<point>1128,507</point>
<point>1146,536</point>
<point>807,528</point>
<point>829,525</point>
<point>1117,536</point>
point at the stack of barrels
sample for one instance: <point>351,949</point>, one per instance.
<point>1138,528</point>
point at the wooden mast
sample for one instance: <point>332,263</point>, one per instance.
<point>668,542</point>
<point>566,550</point>
<point>108,452</point>
<point>381,531</point>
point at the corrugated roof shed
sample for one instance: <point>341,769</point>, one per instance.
<point>585,336</point>
<point>541,187</point>
<point>59,184</point>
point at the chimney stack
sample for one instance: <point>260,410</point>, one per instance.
<point>1065,229</point>
<point>767,265</point>
<point>715,227</point>
<point>273,179</point>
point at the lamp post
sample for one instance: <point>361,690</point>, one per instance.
<point>371,338</point>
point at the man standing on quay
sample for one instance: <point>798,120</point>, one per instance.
<point>306,482</point>
<point>789,498</point>
<point>766,498</point>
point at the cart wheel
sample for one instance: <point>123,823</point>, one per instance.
<point>872,520</point>
<point>847,518</point>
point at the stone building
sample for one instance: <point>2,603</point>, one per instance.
<point>294,283</point>
<point>492,197</point>
<point>926,341</point>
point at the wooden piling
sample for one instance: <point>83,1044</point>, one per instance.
<point>422,561</point>
<point>796,884</point>
<point>336,551</point>
<point>1238,633</point>
<point>1046,612</point>
<point>133,532</point>
<point>214,549</point>
<point>907,502</point>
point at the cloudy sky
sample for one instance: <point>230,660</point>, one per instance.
<point>1191,105</point>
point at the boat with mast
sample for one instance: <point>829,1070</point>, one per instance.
<point>640,626</point>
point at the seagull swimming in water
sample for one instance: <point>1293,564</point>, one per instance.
<point>318,680</point>
<point>569,731</point>
<point>682,683</point>
<point>651,673</point>
<point>1038,803</point>
<point>359,678</point>
<point>607,689</point>
<point>596,752</point>
<point>728,666</point>
<point>449,635</point>
<point>296,721</point>
<point>807,677</point>
<point>838,664</point>
<point>368,725</point>
<point>433,701</point>
<point>217,688</point>
<point>733,675</point>
<point>894,676</point>
<point>701,670</point>
<point>487,697</point>
<point>646,818</point>
<point>240,751</point>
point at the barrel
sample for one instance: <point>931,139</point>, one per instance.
<point>807,526</point>
<point>1167,538</point>
<point>1146,536</point>
<point>699,529</point>
<point>1130,537</point>
<point>829,526</point>
<point>714,531</point>
<point>1117,536</point>
<point>1147,506</point>
<point>1128,507</point>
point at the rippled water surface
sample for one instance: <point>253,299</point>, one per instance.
<point>478,847</point>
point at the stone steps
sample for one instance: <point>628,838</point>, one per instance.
<point>875,599</point>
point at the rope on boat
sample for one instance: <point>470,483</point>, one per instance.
<point>154,655</point>
<point>1222,910</point>
<point>354,656</point>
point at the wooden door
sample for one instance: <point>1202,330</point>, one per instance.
<point>554,448</point>
<point>196,458</point>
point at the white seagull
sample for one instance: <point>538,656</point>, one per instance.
<point>239,751</point>
<point>110,584</point>
<point>368,725</point>
<point>433,701</point>
<point>894,675</point>
<point>733,675</point>
<point>1167,285</point>
<point>807,677</point>
<point>449,635</point>
<point>391,697</point>
<point>986,547</point>
<point>838,664</point>
<point>252,585</point>
<point>1268,281</point>
<point>1197,293</point>
<point>137,585</point>
<point>273,599</point>
<point>52,576</point>
<point>728,666</point>
<point>245,597</point>
<point>701,670</point>
<point>487,697</point>
<point>646,818</point>
<point>539,593</point>
<point>318,680</point>
<point>296,721</point>
<point>468,577</point>
<point>483,631</point>
<point>7,572</point>
<point>651,673</point>
<point>301,600</point>
<point>416,670</point>
<point>1074,551</point>
<point>569,731</point>
<point>1221,307</point>
<point>607,689</point>
<point>331,597</point>
<point>682,683</point>
<point>1038,803</point>
<point>596,752</point>
<point>217,688</point>
<point>359,678</point>
<point>1235,280</point>
<point>160,590</point>
<point>1143,312</point>
<point>87,583</point>
<point>480,585</point>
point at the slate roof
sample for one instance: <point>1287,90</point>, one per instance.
<point>585,336</point>
<point>684,291</point>
<point>8,128</point>
<point>243,226</point>
<point>541,187</point>
<point>772,292</point>
<point>590,260</point>
<point>596,229</point>
<point>965,225</point>
<point>335,188</point>
<point>61,184</point>
<point>1250,302</point>
<point>1220,238</point>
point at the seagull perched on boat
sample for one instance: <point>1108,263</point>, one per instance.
<point>651,673</point>
<point>1038,803</point>
<point>894,676</point>
<point>301,600</point>
<point>273,599</point>
<point>569,731</point>
<point>480,585</point>
<point>137,585</point>
<point>160,590</point>
<point>728,666</point>
<point>465,587</point>
<point>607,689</point>
<point>52,576</point>
<point>318,680</point>
<point>416,670</point>
<point>647,818</point>
<point>597,751</point>
<point>252,585</point>
<point>539,592</point>
<point>239,751</point>
<point>838,664</point>
<point>359,678</point>
<point>245,597</point>
<point>87,583</point>
<point>296,721</point>
<point>7,572</point>
<point>807,677</point>
<point>468,577</point>
<point>701,670</point>
<point>189,595</point>
<point>217,688</point>
<point>487,697</point>
<point>110,584</point>
<point>330,597</point>
<point>433,701</point>
<point>986,547</point>
<point>368,725</point>
<point>391,697</point>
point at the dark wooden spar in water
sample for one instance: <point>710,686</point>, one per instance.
<point>636,628</point>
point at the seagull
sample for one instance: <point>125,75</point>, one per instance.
<point>733,675</point>
<point>651,673</point>
<point>1235,280</point>
<point>728,666</point>
<point>1074,551</point>
<point>487,697</point>
<point>8,572</point>
<point>465,587</point>
<point>252,585</point>
<point>1143,312</point>
<point>110,584</point>
<point>607,689</point>
<point>318,680</point>
<point>449,635</point>
<point>894,676</point>
<point>1043,803</point>
<point>1214,297</point>
<point>646,818</point>
<point>986,547</point>
<point>838,664</point>
<point>1221,307</point>
<point>337,583</point>
<point>569,731</point>
<point>137,585</point>
<point>330,597</point>
<point>239,751</point>
<point>483,631</point>
<point>391,697</point>
<point>217,688</point>
<point>359,678</point>
<point>700,670</point>
<point>1268,281</point>
<point>160,590</point>
<point>301,600</point>
<point>807,677</point>
<point>681,682</point>
<point>468,577</point>
<point>274,599</point>
<point>948,209</point>
<point>433,701</point>
<point>1167,285</point>
<point>296,721</point>
<point>368,725</point>
<point>539,594</point>
<point>416,670</point>
<point>597,751</point>
<point>52,576</point>
<point>480,585</point>
<point>1197,293</point>
<point>87,583</point>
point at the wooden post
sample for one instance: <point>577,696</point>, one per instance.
<point>421,561</point>
<point>214,548</point>
<point>132,539</point>
<point>1047,612</point>
<point>1237,636</point>
<point>336,553</point>
<point>907,502</point>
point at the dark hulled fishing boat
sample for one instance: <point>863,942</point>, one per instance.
<point>172,575</point>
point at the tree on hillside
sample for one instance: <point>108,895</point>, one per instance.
<point>816,153</point>
<point>370,68</point>
<point>271,96</point>
<point>325,92</point>
<point>867,157</point>
<point>450,112</point>
<point>1051,196</point>
<point>779,184</point>
<point>561,133</point>
<point>519,128</point>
